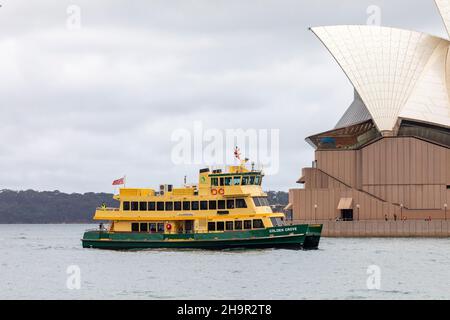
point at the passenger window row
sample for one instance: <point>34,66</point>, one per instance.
<point>152,227</point>
<point>236,181</point>
<point>184,205</point>
<point>235,225</point>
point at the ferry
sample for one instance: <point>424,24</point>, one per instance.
<point>226,210</point>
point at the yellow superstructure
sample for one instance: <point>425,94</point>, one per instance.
<point>220,202</point>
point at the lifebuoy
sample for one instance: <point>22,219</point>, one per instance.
<point>214,192</point>
<point>168,226</point>
<point>222,191</point>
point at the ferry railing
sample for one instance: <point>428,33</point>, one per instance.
<point>107,209</point>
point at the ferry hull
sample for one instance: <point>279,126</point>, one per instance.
<point>305,237</point>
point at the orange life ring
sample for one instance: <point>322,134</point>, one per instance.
<point>214,192</point>
<point>221,191</point>
<point>168,226</point>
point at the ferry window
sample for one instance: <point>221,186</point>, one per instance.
<point>252,179</point>
<point>214,182</point>
<point>247,224</point>
<point>238,225</point>
<point>143,206</point>
<point>151,206</point>
<point>221,204</point>
<point>134,206</point>
<point>258,180</point>
<point>258,224</point>
<point>230,204</point>
<point>261,201</point>
<point>203,205</point>
<point>211,226</point>
<point>186,205</point>
<point>152,227</point>
<point>212,204</point>
<point>160,227</point>
<point>240,203</point>
<point>177,205</point>
<point>221,181</point>
<point>244,181</point>
<point>169,206</point>
<point>229,225</point>
<point>228,181</point>
<point>220,226</point>
<point>194,205</point>
<point>277,222</point>
<point>160,206</point>
<point>144,227</point>
<point>135,227</point>
<point>237,181</point>
<point>126,206</point>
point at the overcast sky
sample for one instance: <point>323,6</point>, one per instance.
<point>81,107</point>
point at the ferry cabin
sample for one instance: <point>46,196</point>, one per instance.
<point>221,202</point>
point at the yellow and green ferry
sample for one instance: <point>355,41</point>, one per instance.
<point>226,210</point>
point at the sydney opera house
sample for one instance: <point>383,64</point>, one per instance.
<point>388,157</point>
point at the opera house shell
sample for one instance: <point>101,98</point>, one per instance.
<point>388,158</point>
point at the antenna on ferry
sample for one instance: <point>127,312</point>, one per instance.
<point>185,178</point>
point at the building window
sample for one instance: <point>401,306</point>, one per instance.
<point>169,206</point>
<point>220,226</point>
<point>214,182</point>
<point>244,181</point>
<point>212,204</point>
<point>221,204</point>
<point>252,179</point>
<point>144,227</point>
<point>237,181</point>
<point>152,227</point>
<point>247,224</point>
<point>238,225</point>
<point>240,203</point>
<point>258,180</point>
<point>221,181</point>
<point>134,206</point>
<point>203,205</point>
<point>160,206</point>
<point>211,226</point>
<point>142,206</point>
<point>186,205</point>
<point>160,227</point>
<point>230,204</point>
<point>229,225</point>
<point>151,206</point>
<point>177,205</point>
<point>126,206</point>
<point>228,181</point>
<point>135,227</point>
<point>194,205</point>
<point>258,224</point>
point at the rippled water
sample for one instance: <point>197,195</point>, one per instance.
<point>34,261</point>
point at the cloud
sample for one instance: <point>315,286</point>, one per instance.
<point>82,107</point>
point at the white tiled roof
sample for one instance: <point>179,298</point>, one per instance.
<point>397,73</point>
<point>444,9</point>
<point>356,113</point>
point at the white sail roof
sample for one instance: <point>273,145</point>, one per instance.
<point>386,65</point>
<point>356,113</point>
<point>444,10</point>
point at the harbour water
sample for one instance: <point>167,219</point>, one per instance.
<point>38,262</point>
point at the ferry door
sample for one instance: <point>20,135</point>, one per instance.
<point>189,226</point>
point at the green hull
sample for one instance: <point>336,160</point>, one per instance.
<point>292,237</point>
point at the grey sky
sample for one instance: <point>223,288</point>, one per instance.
<point>81,108</point>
